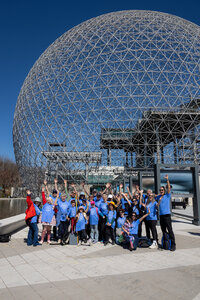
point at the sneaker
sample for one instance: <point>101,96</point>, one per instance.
<point>59,241</point>
<point>154,245</point>
<point>40,242</point>
<point>49,242</point>
<point>106,243</point>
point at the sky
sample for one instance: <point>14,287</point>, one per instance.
<point>27,28</point>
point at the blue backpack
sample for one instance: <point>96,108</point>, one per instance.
<point>166,242</point>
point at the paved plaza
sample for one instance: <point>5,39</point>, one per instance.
<point>99,272</point>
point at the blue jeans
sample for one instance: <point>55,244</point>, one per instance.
<point>32,235</point>
<point>94,233</point>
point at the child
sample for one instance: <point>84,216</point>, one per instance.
<point>32,214</point>
<point>110,224</point>
<point>131,231</point>
<point>81,220</point>
<point>94,220</point>
<point>72,214</point>
<point>48,218</point>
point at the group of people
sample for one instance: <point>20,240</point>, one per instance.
<point>99,216</point>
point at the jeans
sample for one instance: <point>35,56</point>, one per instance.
<point>32,235</point>
<point>94,233</point>
<point>166,226</point>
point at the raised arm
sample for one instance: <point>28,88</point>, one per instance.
<point>46,187</point>
<point>83,186</point>
<point>129,193</point>
<point>168,184</point>
<point>66,191</point>
<point>28,198</point>
<point>141,203</point>
<point>126,198</point>
<point>44,201</point>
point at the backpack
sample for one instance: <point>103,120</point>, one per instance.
<point>96,211</point>
<point>166,242</point>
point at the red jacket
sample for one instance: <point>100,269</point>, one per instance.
<point>30,211</point>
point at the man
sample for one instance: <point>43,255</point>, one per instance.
<point>164,203</point>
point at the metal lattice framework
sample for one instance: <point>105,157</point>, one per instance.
<point>124,87</point>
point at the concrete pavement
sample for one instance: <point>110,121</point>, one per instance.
<point>99,272</point>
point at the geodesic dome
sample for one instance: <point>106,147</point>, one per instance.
<point>119,90</point>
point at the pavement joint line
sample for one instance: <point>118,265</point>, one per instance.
<point>96,269</point>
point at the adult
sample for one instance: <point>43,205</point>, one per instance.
<point>164,203</point>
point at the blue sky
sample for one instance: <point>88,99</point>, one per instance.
<point>28,27</point>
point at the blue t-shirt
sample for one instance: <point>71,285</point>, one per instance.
<point>120,222</point>
<point>134,227</point>
<point>135,209</point>
<point>153,211</point>
<point>98,202</point>
<point>37,210</point>
<point>54,198</point>
<point>80,225</point>
<point>104,208</point>
<point>47,213</point>
<point>72,212</point>
<point>164,207</point>
<point>63,208</point>
<point>94,218</point>
<point>111,215</point>
<point>144,198</point>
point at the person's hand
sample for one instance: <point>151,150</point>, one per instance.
<point>72,185</point>
<point>83,184</point>
<point>65,182</point>
<point>148,211</point>
<point>166,177</point>
<point>28,192</point>
<point>55,181</point>
<point>121,185</point>
<point>45,182</point>
<point>103,217</point>
<point>137,188</point>
<point>107,185</point>
<point>43,189</point>
<point>108,224</point>
<point>141,192</point>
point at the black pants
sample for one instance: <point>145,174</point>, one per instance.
<point>140,229</point>
<point>166,227</point>
<point>82,235</point>
<point>63,230</point>
<point>109,233</point>
<point>102,228</point>
<point>151,226</point>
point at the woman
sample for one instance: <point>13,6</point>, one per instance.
<point>103,208</point>
<point>151,220</point>
<point>120,222</point>
<point>131,231</point>
<point>110,224</point>
<point>48,218</point>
